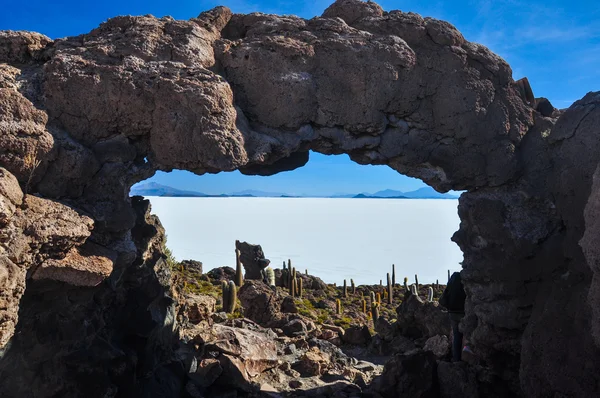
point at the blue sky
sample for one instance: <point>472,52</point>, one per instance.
<point>555,43</point>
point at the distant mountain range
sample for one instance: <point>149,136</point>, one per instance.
<point>154,189</point>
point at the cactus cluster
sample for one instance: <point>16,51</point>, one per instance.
<point>229,296</point>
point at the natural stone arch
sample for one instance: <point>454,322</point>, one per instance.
<point>256,92</point>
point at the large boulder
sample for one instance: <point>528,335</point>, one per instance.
<point>260,303</point>
<point>353,10</point>
<point>419,318</point>
<point>357,335</point>
<point>253,259</point>
<point>242,354</point>
<point>457,379</point>
<point>407,376</point>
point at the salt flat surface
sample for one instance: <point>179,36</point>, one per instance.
<point>332,238</point>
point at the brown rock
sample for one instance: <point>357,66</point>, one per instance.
<point>253,259</point>
<point>11,196</point>
<point>288,305</point>
<point>245,354</point>
<point>352,10</point>
<point>419,318</point>
<point>439,345</point>
<point>87,265</point>
<point>198,307</point>
<point>206,372</point>
<point>313,362</point>
<point>260,303</point>
<point>357,335</point>
<point>456,379</point>
<point>408,376</point>
<point>20,47</point>
<point>12,286</point>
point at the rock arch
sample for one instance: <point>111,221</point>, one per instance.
<point>255,93</point>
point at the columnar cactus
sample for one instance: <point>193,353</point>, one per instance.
<point>345,289</point>
<point>437,284</point>
<point>270,276</point>
<point>293,287</point>
<point>300,289</point>
<point>239,277</point>
<point>379,298</point>
<point>338,307</point>
<point>284,277</point>
<point>224,295</point>
<point>306,272</point>
<point>448,275</point>
<point>353,286</point>
<point>390,290</point>
<point>229,297</point>
<point>430,294</point>
<point>364,304</point>
<point>393,275</point>
<point>375,311</point>
<point>372,295</point>
<point>406,284</point>
<point>417,281</point>
<point>413,290</point>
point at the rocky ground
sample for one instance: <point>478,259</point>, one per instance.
<point>276,345</point>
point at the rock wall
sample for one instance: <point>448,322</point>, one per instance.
<point>84,118</point>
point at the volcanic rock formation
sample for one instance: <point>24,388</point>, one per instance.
<point>85,308</point>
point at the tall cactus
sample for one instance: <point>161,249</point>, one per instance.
<point>284,264</point>
<point>300,289</point>
<point>270,276</point>
<point>393,275</point>
<point>345,291</point>
<point>306,272</point>
<point>437,284</point>
<point>417,281</point>
<point>375,311</point>
<point>390,290</point>
<point>353,286</point>
<point>231,299</point>
<point>293,287</point>
<point>413,290</point>
<point>448,275</point>
<point>338,307</point>
<point>430,294</point>
<point>239,277</point>
<point>372,295</point>
<point>406,284</point>
<point>378,298</point>
<point>224,295</point>
<point>364,304</point>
